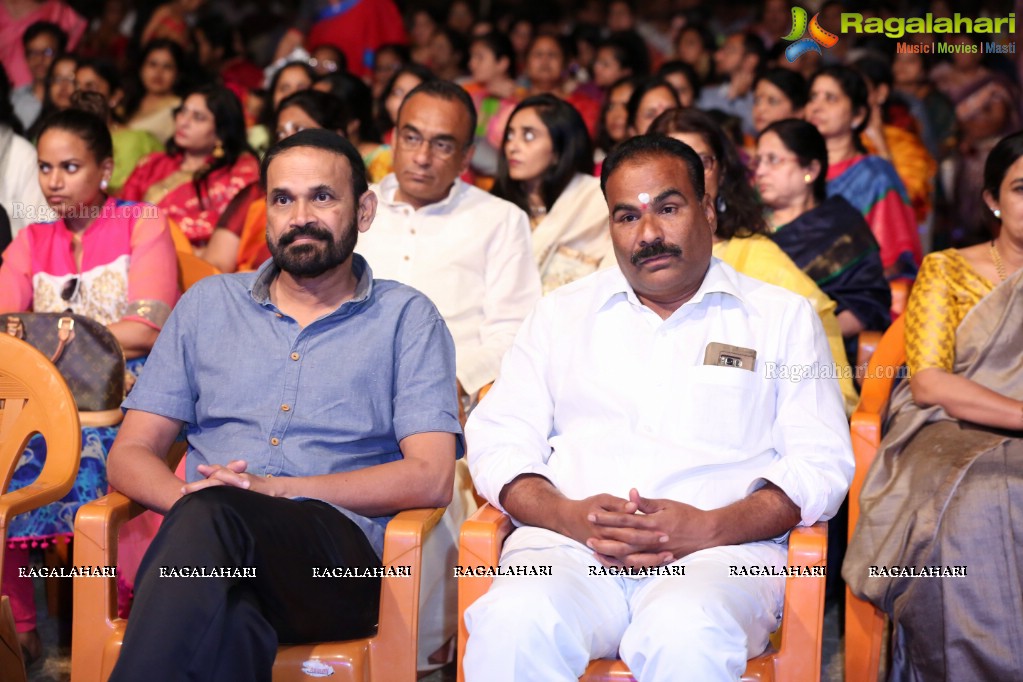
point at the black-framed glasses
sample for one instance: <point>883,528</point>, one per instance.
<point>441,147</point>
<point>70,289</point>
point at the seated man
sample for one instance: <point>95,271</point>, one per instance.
<point>319,402</point>
<point>633,427</point>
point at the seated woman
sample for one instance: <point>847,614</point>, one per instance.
<point>614,118</point>
<point>239,240</point>
<point>151,102</point>
<point>683,78</point>
<point>777,94</point>
<point>650,99</point>
<point>825,236</point>
<point>401,83</point>
<point>494,92</point>
<point>290,78</point>
<point>946,486</point>
<point>740,239</point>
<point>60,85</point>
<point>546,68</point>
<point>545,169</point>
<point>362,130</point>
<point>206,163</point>
<point>839,108</point>
<point>103,258</point>
<point>130,146</point>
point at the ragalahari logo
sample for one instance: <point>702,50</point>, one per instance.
<point>818,36</point>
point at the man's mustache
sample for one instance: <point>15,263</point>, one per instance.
<point>658,248</point>
<point>307,230</point>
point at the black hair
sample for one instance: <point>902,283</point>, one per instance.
<point>229,126</point>
<point>327,110</point>
<point>459,45</point>
<point>87,126</point>
<point>642,88</point>
<point>218,32</point>
<point>267,115</point>
<point>791,83</point>
<point>358,101</point>
<point>423,73</point>
<point>324,139</point>
<point>7,116</point>
<point>92,102</point>
<point>39,28</point>
<point>852,84</point>
<point>805,141</point>
<point>630,51</point>
<point>135,93</point>
<point>741,215</point>
<point>500,46</point>
<point>679,66</point>
<point>754,45</point>
<point>108,72</point>
<point>1008,150</point>
<point>449,92</point>
<point>647,146</point>
<point>401,51</point>
<point>876,70</point>
<point>706,37</point>
<point>570,146</point>
<point>603,139</point>
<point>49,108</point>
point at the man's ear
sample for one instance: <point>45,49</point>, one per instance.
<point>467,158</point>
<point>366,211</point>
<point>710,213</point>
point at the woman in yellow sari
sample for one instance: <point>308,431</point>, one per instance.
<point>946,487</point>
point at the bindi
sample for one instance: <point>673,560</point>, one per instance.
<point>644,200</point>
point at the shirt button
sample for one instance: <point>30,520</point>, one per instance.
<point>285,408</point>
<point>279,315</point>
<point>294,356</point>
<point>413,230</point>
<point>269,475</point>
<point>275,441</point>
<point>406,258</point>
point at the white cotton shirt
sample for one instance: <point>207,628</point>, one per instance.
<point>471,254</point>
<point>599,395</point>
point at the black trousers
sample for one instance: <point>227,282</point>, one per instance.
<point>228,628</point>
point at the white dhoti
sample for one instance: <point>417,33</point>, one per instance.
<point>703,625</point>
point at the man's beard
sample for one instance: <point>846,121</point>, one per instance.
<point>311,259</point>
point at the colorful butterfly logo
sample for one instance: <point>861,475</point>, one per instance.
<point>818,36</point>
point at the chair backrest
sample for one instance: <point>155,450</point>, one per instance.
<point>882,372</point>
<point>34,399</point>
<point>191,269</point>
<point>900,296</point>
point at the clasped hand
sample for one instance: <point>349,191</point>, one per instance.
<point>639,531</point>
<point>233,474</point>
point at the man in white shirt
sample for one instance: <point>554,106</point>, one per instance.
<point>469,251</point>
<point>471,254</point>
<point>633,427</point>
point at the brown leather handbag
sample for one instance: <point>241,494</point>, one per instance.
<point>85,352</point>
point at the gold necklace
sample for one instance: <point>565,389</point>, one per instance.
<point>997,258</point>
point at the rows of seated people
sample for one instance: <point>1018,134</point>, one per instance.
<point>490,150</point>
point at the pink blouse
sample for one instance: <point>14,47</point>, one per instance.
<point>128,272</point>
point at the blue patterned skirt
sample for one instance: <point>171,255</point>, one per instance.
<point>42,526</point>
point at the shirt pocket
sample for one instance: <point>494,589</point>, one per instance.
<point>717,409</point>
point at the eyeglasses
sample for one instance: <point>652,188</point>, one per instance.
<point>63,79</point>
<point>708,162</point>
<point>441,147</point>
<point>70,290</point>
<point>770,161</point>
<point>329,65</point>
<point>45,52</point>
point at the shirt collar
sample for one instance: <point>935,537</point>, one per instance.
<point>389,188</point>
<point>268,272</point>
<point>720,278</point>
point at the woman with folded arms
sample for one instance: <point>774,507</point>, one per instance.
<point>110,260</point>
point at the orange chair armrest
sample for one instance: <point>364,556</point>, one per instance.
<point>802,621</point>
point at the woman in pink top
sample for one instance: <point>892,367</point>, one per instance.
<point>107,259</point>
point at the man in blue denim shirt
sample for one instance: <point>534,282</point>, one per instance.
<point>319,402</point>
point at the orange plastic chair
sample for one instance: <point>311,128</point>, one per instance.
<point>795,650</point>
<point>191,269</point>
<point>33,399</point>
<point>181,243</point>
<point>864,624</point>
<point>388,656</point>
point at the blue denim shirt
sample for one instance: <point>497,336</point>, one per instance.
<point>335,396</point>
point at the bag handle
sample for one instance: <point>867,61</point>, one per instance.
<point>65,333</point>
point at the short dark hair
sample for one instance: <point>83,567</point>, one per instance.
<point>87,126</point>
<point>805,141</point>
<point>327,140</point>
<point>1008,150</point>
<point>630,51</point>
<point>647,146</point>
<point>754,45</point>
<point>500,46</point>
<point>449,92</point>
<point>570,144</point>
<point>39,28</point>
<point>642,88</point>
<point>358,101</point>
<point>791,83</point>
<point>328,111</point>
<point>740,213</point>
<point>678,66</point>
